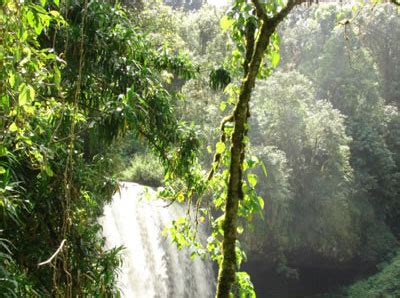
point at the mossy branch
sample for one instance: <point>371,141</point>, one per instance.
<point>267,26</point>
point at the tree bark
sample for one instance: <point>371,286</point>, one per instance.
<point>254,55</point>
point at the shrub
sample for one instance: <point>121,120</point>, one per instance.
<point>144,169</point>
<point>383,284</point>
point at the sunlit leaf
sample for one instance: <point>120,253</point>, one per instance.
<point>11,79</point>
<point>13,127</point>
<point>3,151</point>
<point>261,202</point>
<point>275,57</point>
<point>226,23</point>
<point>23,94</point>
<point>220,147</point>
<point>222,106</point>
<point>180,197</point>
<point>252,178</point>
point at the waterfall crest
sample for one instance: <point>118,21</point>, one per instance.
<point>152,265</point>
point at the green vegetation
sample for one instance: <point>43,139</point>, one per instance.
<point>382,284</point>
<point>69,88</point>
<point>298,164</point>
<point>144,169</point>
<point>325,128</point>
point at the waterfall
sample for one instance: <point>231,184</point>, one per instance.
<point>152,265</point>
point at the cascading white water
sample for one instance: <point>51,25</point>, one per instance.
<point>152,265</point>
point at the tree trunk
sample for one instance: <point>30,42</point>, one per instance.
<point>254,55</point>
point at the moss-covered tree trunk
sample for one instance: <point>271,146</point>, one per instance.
<point>254,54</point>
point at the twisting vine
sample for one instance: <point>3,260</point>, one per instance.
<point>69,161</point>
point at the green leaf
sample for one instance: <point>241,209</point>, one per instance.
<point>261,202</point>
<point>252,161</point>
<point>264,168</point>
<point>220,147</point>
<point>252,178</point>
<point>4,101</point>
<point>24,36</point>
<point>11,79</point>
<point>26,92</point>
<point>222,106</point>
<point>23,94</point>
<point>226,23</point>
<point>30,18</point>
<point>55,13</point>
<point>38,28</point>
<point>180,197</point>
<point>31,93</point>
<point>29,109</point>
<point>3,151</point>
<point>2,170</point>
<point>13,127</point>
<point>48,171</point>
<point>275,57</point>
<point>57,75</point>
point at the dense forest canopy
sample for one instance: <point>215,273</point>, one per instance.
<point>297,127</point>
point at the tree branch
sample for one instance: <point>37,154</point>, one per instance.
<point>260,12</point>
<point>48,261</point>
<point>250,40</point>
<point>284,12</point>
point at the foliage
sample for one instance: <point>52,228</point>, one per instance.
<point>383,47</point>
<point>144,169</point>
<point>340,67</point>
<point>69,89</point>
<point>305,147</point>
<point>383,284</point>
<point>323,127</point>
<point>78,94</point>
<point>236,197</point>
<point>219,79</point>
